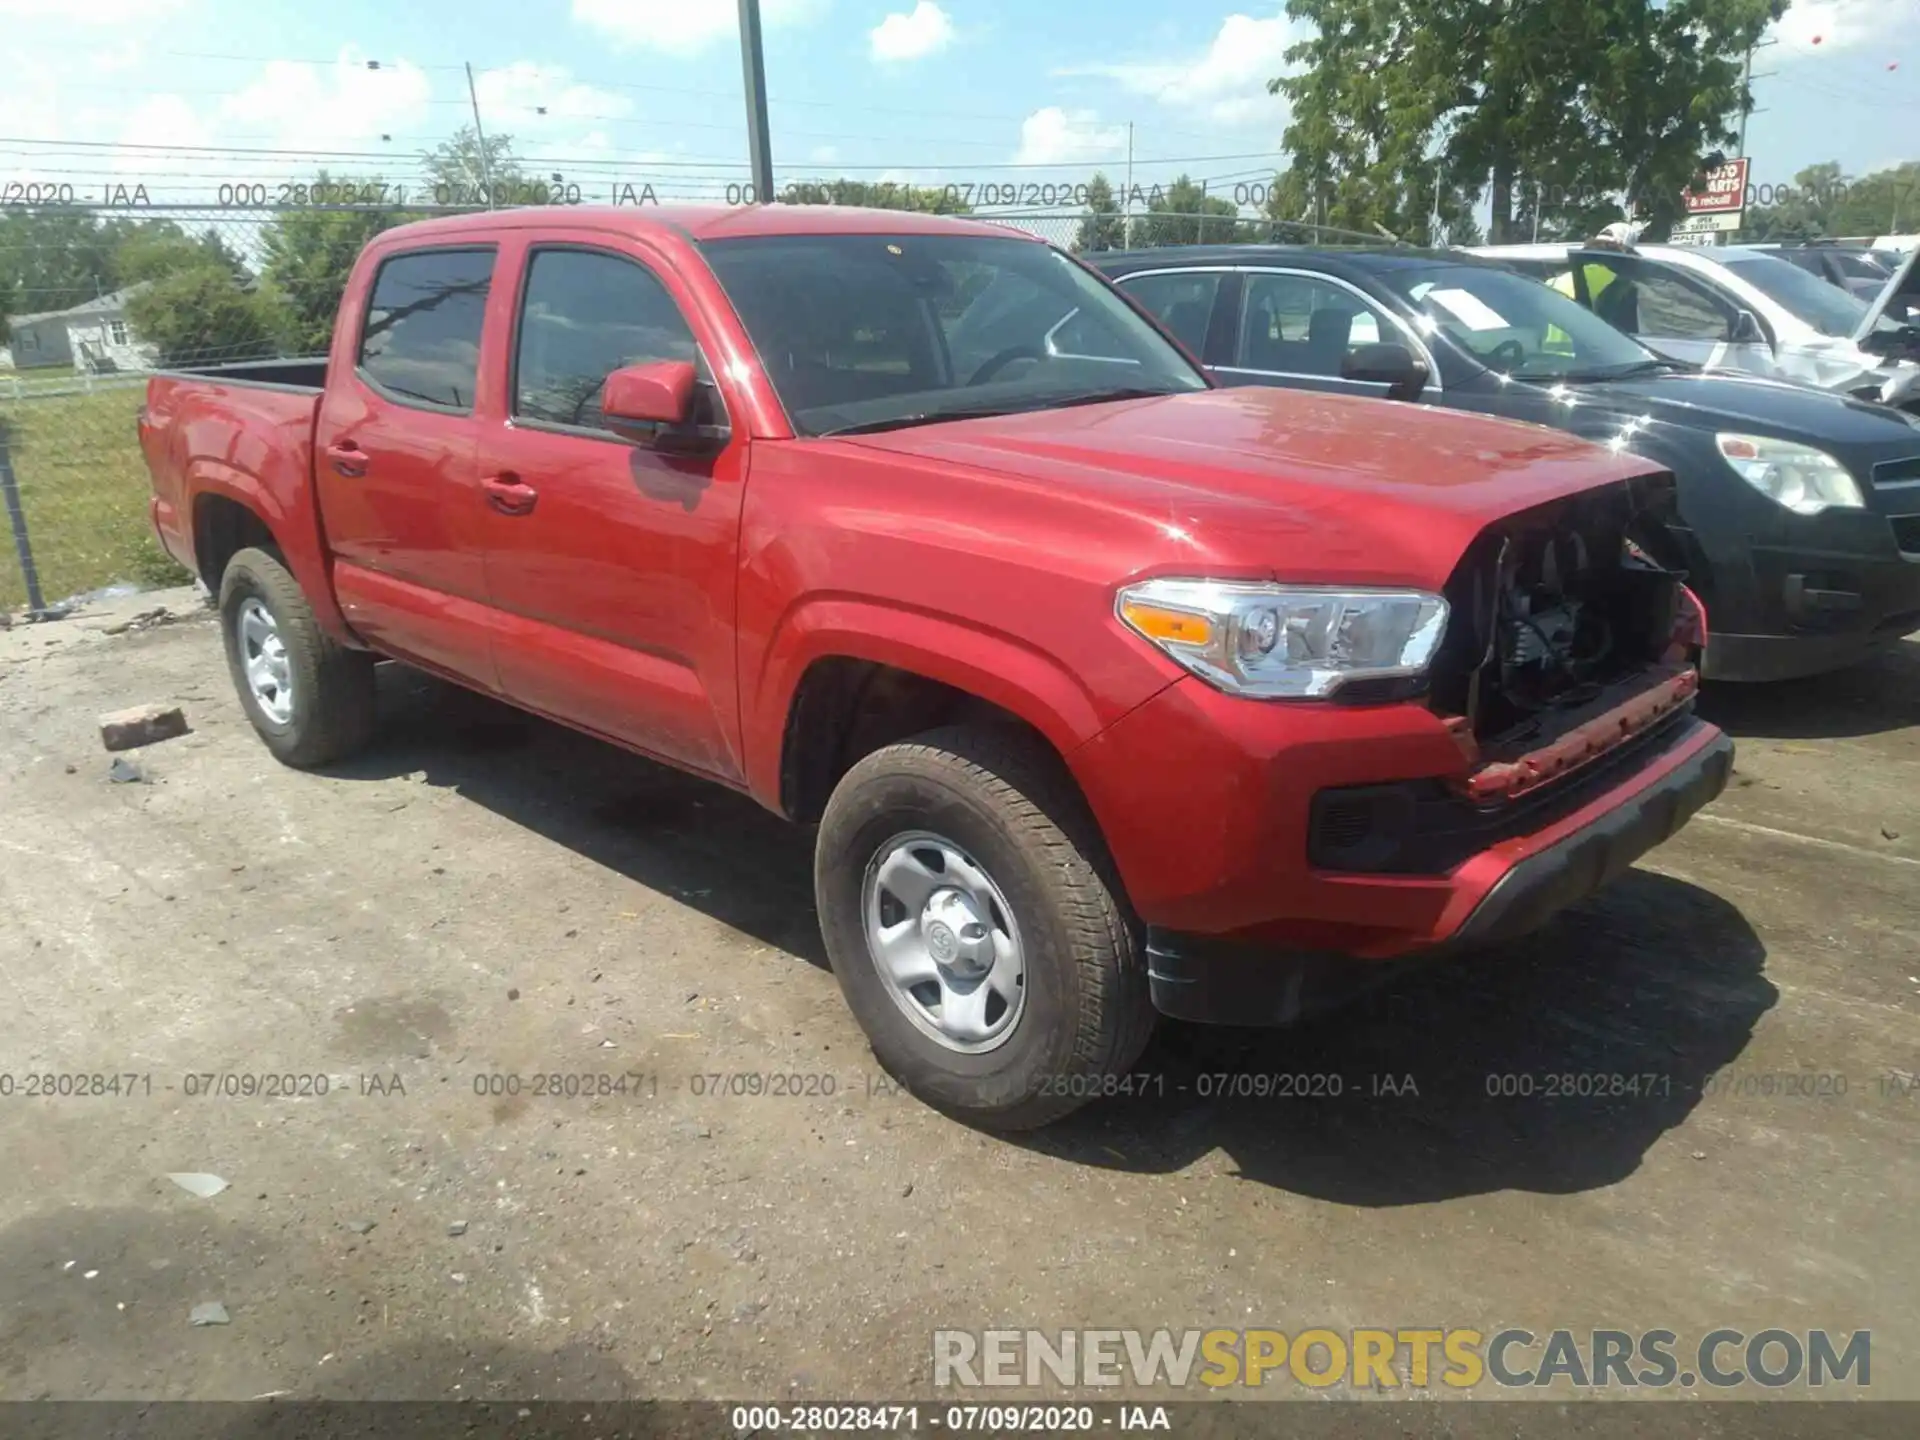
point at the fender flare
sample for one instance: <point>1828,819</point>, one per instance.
<point>991,665</point>
<point>292,526</point>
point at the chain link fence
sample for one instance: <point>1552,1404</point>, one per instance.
<point>103,297</point>
<point>75,491</point>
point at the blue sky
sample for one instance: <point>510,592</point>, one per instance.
<point>649,91</point>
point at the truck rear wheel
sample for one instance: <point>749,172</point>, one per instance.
<point>964,896</point>
<point>310,698</point>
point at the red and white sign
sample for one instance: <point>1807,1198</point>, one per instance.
<point>1722,192</point>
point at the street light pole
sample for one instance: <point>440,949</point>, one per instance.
<point>753,62</point>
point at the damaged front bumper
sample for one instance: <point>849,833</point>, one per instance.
<point>1221,980</point>
<point>1287,854</point>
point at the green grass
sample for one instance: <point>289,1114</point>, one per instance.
<point>84,490</point>
<point>38,378</point>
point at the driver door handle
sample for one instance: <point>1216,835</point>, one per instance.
<point>348,458</point>
<point>509,495</point>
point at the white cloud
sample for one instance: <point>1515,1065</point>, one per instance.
<point>1227,81</point>
<point>162,141</point>
<point>1843,24</point>
<point>683,27</point>
<point>535,98</point>
<point>1053,136</point>
<point>824,154</point>
<point>293,119</point>
<point>912,36</point>
<point>302,106</point>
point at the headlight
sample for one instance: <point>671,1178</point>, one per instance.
<point>1803,479</point>
<point>1279,641</point>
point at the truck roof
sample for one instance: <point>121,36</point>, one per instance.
<point>711,222</point>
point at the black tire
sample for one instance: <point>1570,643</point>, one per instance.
<point>333,695</point>
<point>1008,803</point>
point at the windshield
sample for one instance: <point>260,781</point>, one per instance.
<point>868,332</point>
<point>1827,308</point>
<point>1860,265</point>
<point>1515,325</point>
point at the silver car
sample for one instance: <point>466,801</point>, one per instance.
<point>1734,307</point>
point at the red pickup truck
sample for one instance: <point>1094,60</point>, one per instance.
<point>1111,693</point>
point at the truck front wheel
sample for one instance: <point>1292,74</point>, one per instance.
<point>310,698</point>
<point>965,898</point>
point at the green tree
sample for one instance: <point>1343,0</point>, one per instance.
<point>1887,202</point>
<point>1825,202</point>
<point>50,260</point>
<point>1804,210</point>
<point>459,170</point>
<point>307,256</point>
<point>1579,100</point>
<point>158,248</point>
<point>1365,207</point>
<point>878,195</point>
<point>1102,227</point>
<point>1185,214</point>
<point>203,314</point>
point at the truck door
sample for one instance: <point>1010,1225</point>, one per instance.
<point>394,460</point>
<point>611,564</point>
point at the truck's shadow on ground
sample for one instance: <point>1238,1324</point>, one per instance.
<point>1656,981</point>
<point>1875,696</point>
<point>706,846</point>
<point>1550,1065</point>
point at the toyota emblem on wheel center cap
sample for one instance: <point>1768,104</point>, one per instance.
<point>942,942</point>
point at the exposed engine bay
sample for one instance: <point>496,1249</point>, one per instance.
<point>1559,614</point>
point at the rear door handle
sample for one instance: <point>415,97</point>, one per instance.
<point>509,495</point>
<point>348,458</point>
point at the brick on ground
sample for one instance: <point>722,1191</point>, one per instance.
<point>141,725</point>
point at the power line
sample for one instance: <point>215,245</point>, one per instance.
<point>536,161</point>
<point>598,83</point>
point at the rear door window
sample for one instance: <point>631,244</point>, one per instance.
<point>1182,302</point>
<point>1302,325</point>
<point>421,341</point>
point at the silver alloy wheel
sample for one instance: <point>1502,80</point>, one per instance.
<point>263,655</point>
<point>945,942</point>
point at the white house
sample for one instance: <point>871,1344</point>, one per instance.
<point>95,336</point>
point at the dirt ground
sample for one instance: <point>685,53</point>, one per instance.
<point>487,896</point>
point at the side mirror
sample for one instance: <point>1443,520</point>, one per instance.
<point>644,397</point>
<point>1746,330</point>
<point>1390,364</point>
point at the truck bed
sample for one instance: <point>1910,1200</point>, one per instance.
<point>240,431</point>
<point>304,373</point>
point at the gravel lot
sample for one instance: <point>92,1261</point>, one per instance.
<point>486,896</point>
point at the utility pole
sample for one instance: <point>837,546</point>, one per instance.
<point>1126,227</point>
<point>1747,77</point>
<point>486,161</point>
<point>1746,99</point>
<point>753,63</point>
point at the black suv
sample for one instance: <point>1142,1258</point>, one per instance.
<point>1800,508</point>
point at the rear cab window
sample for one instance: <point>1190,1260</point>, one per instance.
<point>420,342</point>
